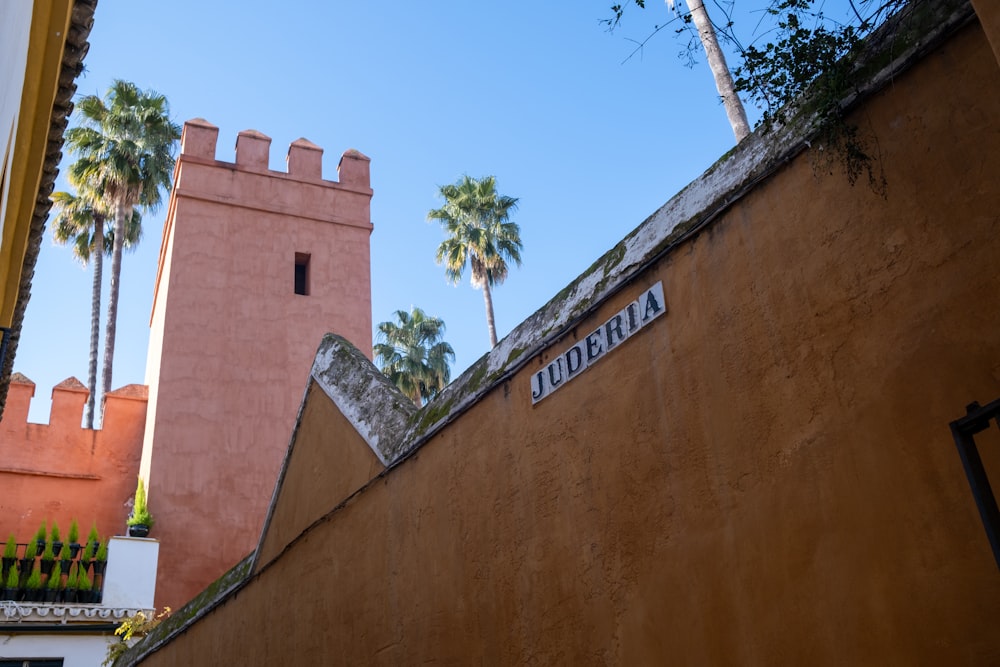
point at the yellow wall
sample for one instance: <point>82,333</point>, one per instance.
<point>764,475</point>
<point>24,123</point>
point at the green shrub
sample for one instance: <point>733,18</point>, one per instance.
<point>74,531</point>
<point>102,552</point>
<point>34,580</point>
<point>64,553</point>
<point>13,580</point>
<point>83,581</point>
<point>92,536</point>
<point>55,532</point>
<point>48,554</point>
<point>140,512</point>
<point>55,579</point>
<point>10,551</point>
<point>31,550</point>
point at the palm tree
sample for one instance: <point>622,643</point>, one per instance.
<point>479,232</point>
<point>81,221</point>
<point>125,145</point>
<point>411,353</point>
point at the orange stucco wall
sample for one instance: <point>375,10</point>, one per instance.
<point>764,475</point>
<point>60,471</point>
<point>231,343</point>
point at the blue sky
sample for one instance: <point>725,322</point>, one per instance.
<point>534,93</point>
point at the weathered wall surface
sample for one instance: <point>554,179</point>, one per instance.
<point>60,471</point>
<point>232,343</point>
<point>764,475</point>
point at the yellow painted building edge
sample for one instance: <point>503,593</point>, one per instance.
<point>50,20</point>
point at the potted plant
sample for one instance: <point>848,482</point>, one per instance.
<point>10,584</point>
<point>92,539</point>
<point>33,586</point>
<point>56,540</point>
<point>74,538</point>
<point>9,556</point>
<point>140,521</point>
<point>70,593</point>
<point>88,553</point>
<point>53,587</point>
<point>64,559</point>
<point>48,558</point>
<point>29,556</point>
<point>101,558</point>
<point>40,537</point>
<point>85,592</point>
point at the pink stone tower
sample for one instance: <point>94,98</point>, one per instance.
<point>255,267</point>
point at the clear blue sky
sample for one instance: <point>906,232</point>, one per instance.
<point>534,93</point>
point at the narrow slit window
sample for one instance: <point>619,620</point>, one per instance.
<point>301,273</point>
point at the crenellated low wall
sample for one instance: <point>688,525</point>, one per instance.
<point>60,471</point>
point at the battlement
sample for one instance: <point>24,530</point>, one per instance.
<point>68,400</point>
<point>304,160</point>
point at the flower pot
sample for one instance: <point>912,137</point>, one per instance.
<point>26,565</point>
<point>8,593</point>
<point>47,566</point>
<point>56,548</point>
<point>74,549</point>
<point>41,546</point>
<point>138,530</point>
<point>7,564</point>
<point>99,566</point>
<point>50,595</point>
<point>64,566</point>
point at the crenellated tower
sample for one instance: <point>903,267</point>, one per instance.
<point>255,266</point>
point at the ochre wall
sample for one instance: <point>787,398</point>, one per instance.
<point>60,471</point>
<point>231,344</point>
<point>762,476</point>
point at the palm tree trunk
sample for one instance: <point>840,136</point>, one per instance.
<point>720,70</point>
<point>109,328</point>
<point>488,298</point>
<point>95,318</point>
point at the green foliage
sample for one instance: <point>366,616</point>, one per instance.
<point>65,553</point>
<point>72,580</point>
<point>34,581</point>
<point>93,536</point>
<point>74,531</point>
<point>55,532</point>
<point>83,581</point>
<point>43,530</point>
<point>31,550</point>
<point>140,512</point>
<point>49,554</point>
<point>10,549</point>
<point>102,552</point>
<point>90,550</point>
<point>413,355</point>
<point>55,580</point>
<point>131,628</point>
<point>812,62</point>
<point>13,579</point>
<point>476,221</point>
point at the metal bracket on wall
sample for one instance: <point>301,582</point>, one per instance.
<point>976,420</point>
